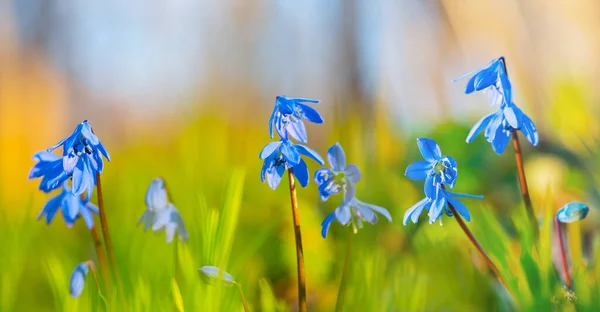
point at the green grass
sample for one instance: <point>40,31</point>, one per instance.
<point>240,225</point>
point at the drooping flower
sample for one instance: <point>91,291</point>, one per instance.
<point>355,212</point>
<point>339,177</point>
<point>50,168</point>
<point>77,281</point>
<point>160,214</point>
<point>211,273</point>
<point>284,154</point>
<point>438,171</point>
<point>436,168</point>
<point>342,177</point>
<point>572,212</point>
<point>82,160</point>
<point>288,115</point>
<point>499,125</point>
<point>71,206</point>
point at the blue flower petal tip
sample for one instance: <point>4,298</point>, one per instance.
<point>572,212</point>
<point>77,280</point>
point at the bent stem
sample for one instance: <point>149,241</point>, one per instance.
<point>342,290</point>
<point>95,275</point>
<point>523,183</point>
<point>101,259</point>
<point>473,240</point>
<point>563,253</point>
<point>299,250</point>
<point>246,309</point>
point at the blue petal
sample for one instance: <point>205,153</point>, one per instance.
<point>436,208</point>
<point>77,280</point>
<point>322,175</point>
<point>305,150</point>
<point>429,187</point>
<point>50,209</point>
<point>297,130</point>
<point>414,211</point>
<point>512,114</point>
<point>429,149</point>
<point>349,193</point>
<point>87,217</point>
<point>301,172</point>
<point>479,126</point>
<point>530,131</point>
<point>102,150</point>
<point>572,212</point>
<point>352,173</point>
<point>336,157</point>
<point>311,114</point>
<point>460,207</point>
<point>44,156</point>
<point>464,195</point>
<point>494,125</point>
<point>365,213</point>
<point>500,140</point>
<point>300,100</point>
<point>290,153</point>
<point>326,223</point>
<point>273,176</point>
<point>384,212</point>
<point>418,170</point>
<point>267,163</point>
<point>87,133</point>
<point>269,149</point>
<point>272,120</point>
<point>342,214</point>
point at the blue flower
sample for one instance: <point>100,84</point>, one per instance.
<point>342,177</point>
<point>72,207</point>
<point>436,168</point>
<point>494,79</point>
<point>77,281</point>
<point>332,181</point>
<point>499,125</point>
<point>287,117</point>
<point>211,273</point>
<point>82,140</point>
<point>436,204</point>
<point>50,168</point>
<point>572,212</point>
<point>354,211</point>
<point>283,154</point>
<point>160,214</point>
<point>438,171</point>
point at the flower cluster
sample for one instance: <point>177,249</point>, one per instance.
<point>341,178</point>
<point>287,120</point>
<point>499,125</point>
<point>81,161</point>
<point>161,214</point>
<point>438,171</point>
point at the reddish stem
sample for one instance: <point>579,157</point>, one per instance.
<point>563,254</point>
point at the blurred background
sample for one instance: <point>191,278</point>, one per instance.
<point>184,90</point>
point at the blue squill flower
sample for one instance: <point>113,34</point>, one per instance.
<point>82,140</point>
<point>436,168</point>
<point>71,206</point>
<point>437,203</point>
<point>572,212</point>
<point>77,281</point>
<point>288,114</point>
<point>499,125</point>
<point>437,174</point>
<point>50,168</point>
<point>334,180</point>
<point>160,214</point>
<point>283,154</point>
<point>354,211</point>
<point>493,79</point>
<point>342,177</point>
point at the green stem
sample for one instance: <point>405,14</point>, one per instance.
<point>299,250</point>
<point>95,275</point>
<point>342,290</point>
<point>244,302</point>
<point>101,259</point>
<point>523,183</point>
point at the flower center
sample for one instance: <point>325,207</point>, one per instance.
<point>439,167</point>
